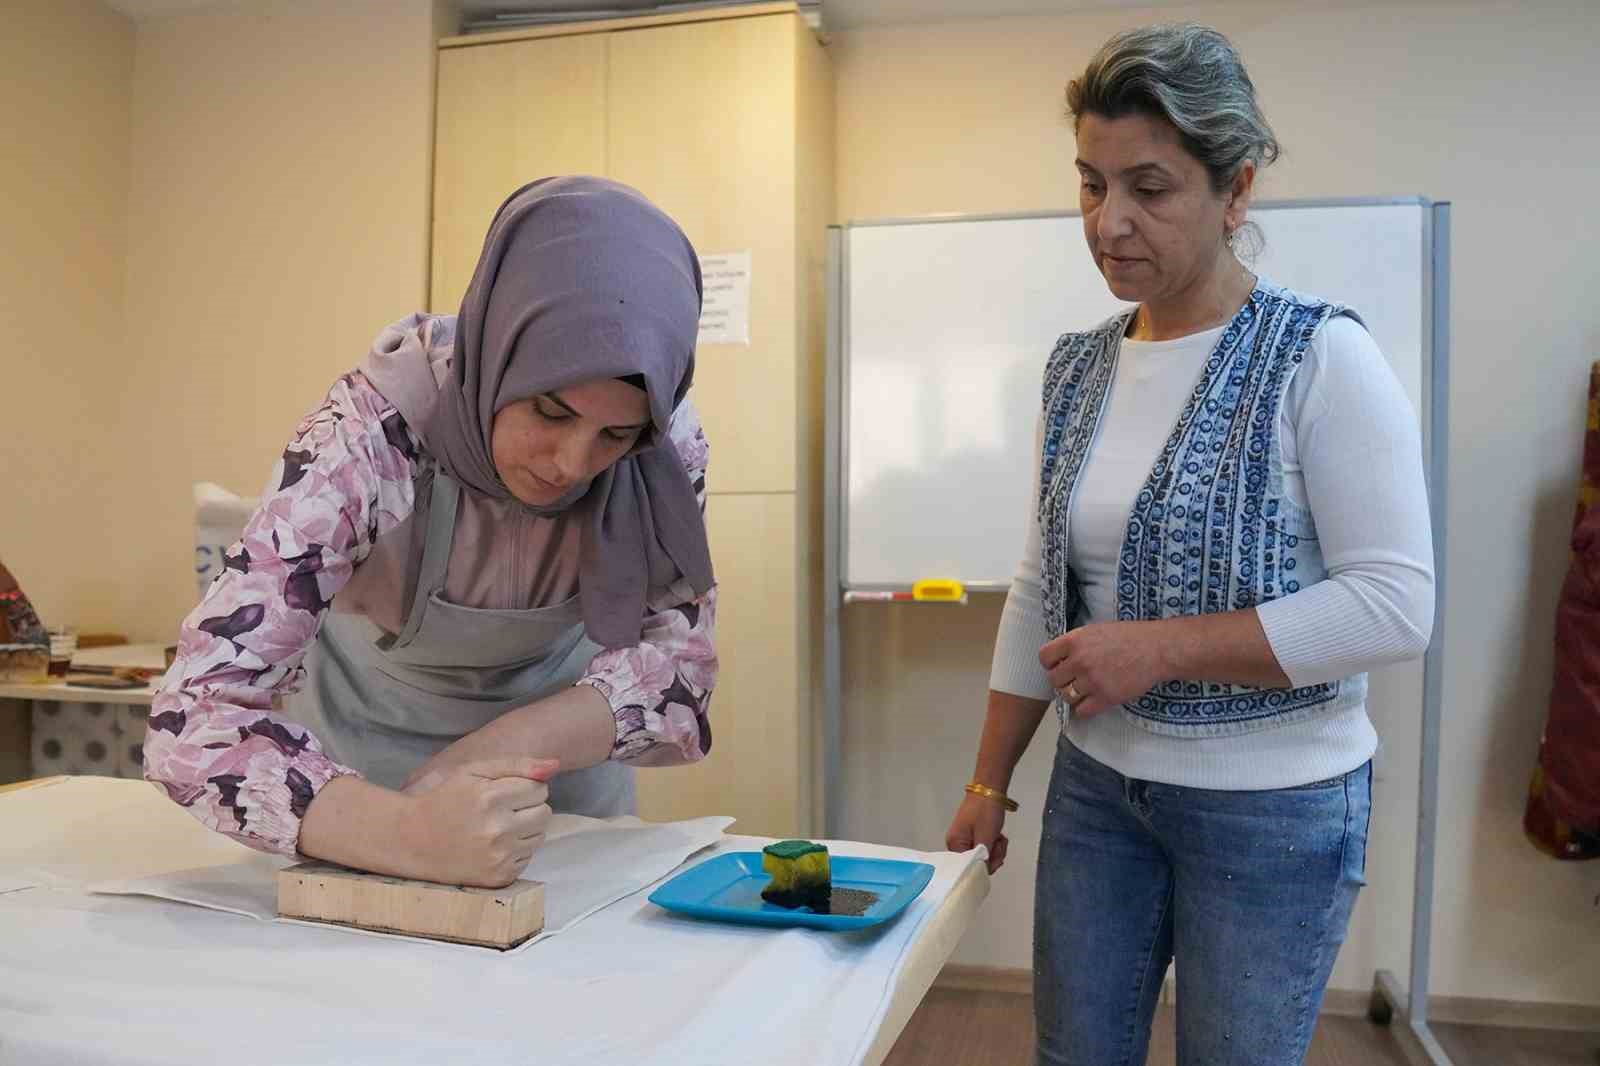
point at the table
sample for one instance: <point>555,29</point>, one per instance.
<point>95,730</point>
<point>101,979</point>
<point>148,655</point>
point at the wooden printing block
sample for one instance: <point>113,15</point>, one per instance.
<point>489,917</point>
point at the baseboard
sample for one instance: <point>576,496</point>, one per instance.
<point>985,979</point>
<point>1474,1010</point>
<point>1349,1002</point>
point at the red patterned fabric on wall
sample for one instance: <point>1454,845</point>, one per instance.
<point>1563,812</point>
<point>18,622</point>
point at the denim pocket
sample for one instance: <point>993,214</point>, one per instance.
<point>1360,793</point>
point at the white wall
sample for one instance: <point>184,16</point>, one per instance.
<point>1495,107</point>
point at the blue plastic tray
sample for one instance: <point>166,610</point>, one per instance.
<point>728,888</point>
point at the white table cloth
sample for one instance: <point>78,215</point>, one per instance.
<point>88,978</point>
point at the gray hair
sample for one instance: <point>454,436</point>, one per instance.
<point>1191,76</point>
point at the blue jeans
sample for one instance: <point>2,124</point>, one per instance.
<point>1250,891</point>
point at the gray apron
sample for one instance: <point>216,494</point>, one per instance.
<point>385,704</point>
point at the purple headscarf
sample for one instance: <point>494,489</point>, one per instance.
<point>583,279</point>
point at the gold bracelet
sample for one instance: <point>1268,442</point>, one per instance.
<point>992,793</point>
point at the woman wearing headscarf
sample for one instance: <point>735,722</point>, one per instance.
<point>477,588</point>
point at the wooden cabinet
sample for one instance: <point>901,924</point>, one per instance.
<point>724,119</point>
<point>505,115</point>
<point>702,121</point>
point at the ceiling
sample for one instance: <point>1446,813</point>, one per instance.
<point>144,8</point>
<point>844,14</point>
<point>837,14</point>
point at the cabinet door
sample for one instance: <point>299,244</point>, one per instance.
<point>508,114</point>
<point>701,120</point>
<point>753,771</point>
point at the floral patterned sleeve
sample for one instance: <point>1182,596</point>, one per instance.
<point>214,743</point>
<point>660,689</point>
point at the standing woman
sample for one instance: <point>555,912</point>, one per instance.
<point>480,561</point>
<point>1230,530</point>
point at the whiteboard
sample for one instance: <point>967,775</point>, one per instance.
<point>945,325</point>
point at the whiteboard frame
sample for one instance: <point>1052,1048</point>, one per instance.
<point>839,318</point>
<point>1388,999</point>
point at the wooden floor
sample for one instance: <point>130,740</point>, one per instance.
<point>1487,1045</point>
<point>958,1027</point>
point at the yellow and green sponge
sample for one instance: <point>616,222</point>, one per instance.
<point>799,872</point>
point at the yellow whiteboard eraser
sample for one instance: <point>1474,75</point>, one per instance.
<point>938,589</point>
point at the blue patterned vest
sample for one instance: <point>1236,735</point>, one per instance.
<point>1212,529</point>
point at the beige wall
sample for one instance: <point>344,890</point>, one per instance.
<point>63,208</point>
<point>1491,106</point>
<point>277,218</point>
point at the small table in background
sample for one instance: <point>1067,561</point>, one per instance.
<point>59,728</point>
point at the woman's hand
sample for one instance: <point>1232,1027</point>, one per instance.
<point>1008,724</point>
<point>463,752</point>
<point>978,821</point>
<point>575,726</point>
<point>480,823</point>
<point>1097,667</point>
<point>429,774</point>
<point>474,824</point>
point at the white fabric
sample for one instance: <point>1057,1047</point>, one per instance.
<point>1152,382</point>
<point>585,864</point>
<point>219,518</point>
<point>121,979</point>
<point>1352,454</point>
